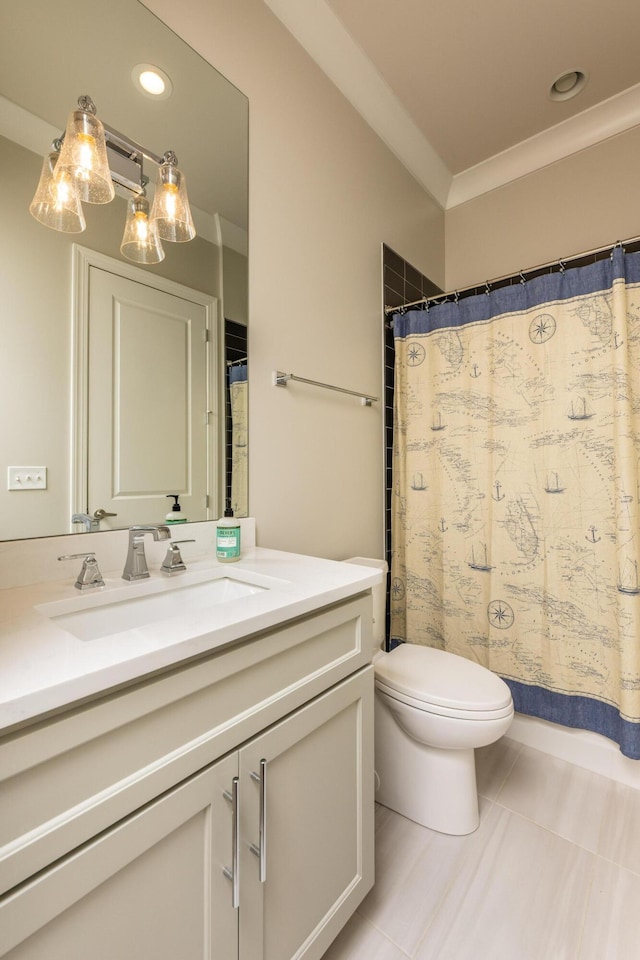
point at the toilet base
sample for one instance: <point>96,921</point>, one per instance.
<point>435,787</point>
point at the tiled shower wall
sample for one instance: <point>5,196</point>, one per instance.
<point>235,348</point>
<point>402,284</point>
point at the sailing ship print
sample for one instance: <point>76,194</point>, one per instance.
<point>580,410</point>
<point>437,423</point>
<point>479,558</point>
<point>553,484</point>
<point>628,581</point>
<point>418,482</point>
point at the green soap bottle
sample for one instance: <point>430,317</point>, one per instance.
<point>227,537</point>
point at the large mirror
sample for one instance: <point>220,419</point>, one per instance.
<point>100,415</point>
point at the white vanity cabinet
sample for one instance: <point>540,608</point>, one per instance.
<point>247,834</point>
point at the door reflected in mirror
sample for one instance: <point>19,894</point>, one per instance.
<point>47,384</point>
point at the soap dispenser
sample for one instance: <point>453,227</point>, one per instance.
<point>175,515</point>
<point>228,537</point>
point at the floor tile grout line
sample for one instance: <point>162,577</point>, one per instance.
<point>585,908</point>
<point>616,863</point>
<point>384,935</point>
<point>510,770</point>
<point>554,833</point>
<point>461,863</point>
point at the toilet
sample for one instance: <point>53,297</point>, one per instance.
<point>432,709</point>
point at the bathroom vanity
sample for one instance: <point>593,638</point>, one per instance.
<point>196,787</point>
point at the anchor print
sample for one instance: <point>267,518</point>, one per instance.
<point>616,341</point>
<point>497,495</point>
<point>443,525</point>
<point>475,372</point>
<point>593,538</point>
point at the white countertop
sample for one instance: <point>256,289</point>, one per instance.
<point>44,668</point>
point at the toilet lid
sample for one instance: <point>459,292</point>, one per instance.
<point>441,678</point>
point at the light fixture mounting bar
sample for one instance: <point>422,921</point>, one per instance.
<point>128,146</point>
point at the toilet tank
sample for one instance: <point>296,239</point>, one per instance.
<point>379,600</point>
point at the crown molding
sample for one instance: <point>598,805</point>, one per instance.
<point>327,41</point>
<point>316,27</point>
<point>600,122</point>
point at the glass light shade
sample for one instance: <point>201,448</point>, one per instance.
<point>84,156</point>
<point>140,241</point>
<point>56,203</point>
<point>170,211</point>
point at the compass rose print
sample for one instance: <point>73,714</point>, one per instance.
<point>542,328</point>
<point>397,589</point>
<point>500,614</point>
<point>415,354</point>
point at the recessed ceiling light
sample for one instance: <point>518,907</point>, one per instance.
<point>152,81</point>
<point>568,85</point>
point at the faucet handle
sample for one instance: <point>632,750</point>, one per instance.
<point>173,562</point>
<point>89,575</point>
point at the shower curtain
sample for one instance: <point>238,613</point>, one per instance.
<point>238,396</point>
<point>516,483</point>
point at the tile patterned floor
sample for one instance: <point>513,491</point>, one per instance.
<point>552,873</point>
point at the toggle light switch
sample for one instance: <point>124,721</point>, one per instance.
<point>26,478</point>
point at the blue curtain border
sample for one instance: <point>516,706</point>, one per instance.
<point>540,292</point>
<point>583,713</point>
<point>238,373</point>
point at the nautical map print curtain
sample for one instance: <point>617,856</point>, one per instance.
<point>238,393</point>
<point>516,481</point>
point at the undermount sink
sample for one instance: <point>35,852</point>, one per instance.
<point>91,618</point>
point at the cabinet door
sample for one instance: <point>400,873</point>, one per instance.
<point>152,886</point>
<point>317,785</point>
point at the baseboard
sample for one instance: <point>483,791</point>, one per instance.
<point>585,749</point>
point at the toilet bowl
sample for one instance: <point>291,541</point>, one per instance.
<point>432,709</point>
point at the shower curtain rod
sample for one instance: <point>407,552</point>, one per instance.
<point>560,264</point>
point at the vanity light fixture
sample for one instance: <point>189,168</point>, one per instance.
<point>56,203</point>
<point>140,241</point>
<point>91,158</point>
<point>83,155</point>
<point>170,209</point>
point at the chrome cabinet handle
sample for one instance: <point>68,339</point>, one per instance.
<point>261,850</point>
<point>233,873</point>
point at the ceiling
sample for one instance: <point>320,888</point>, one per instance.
<point>460,89</point>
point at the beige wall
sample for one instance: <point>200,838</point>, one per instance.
<point>235,282</point>
<point>586,201</point>
<point>324,193</point>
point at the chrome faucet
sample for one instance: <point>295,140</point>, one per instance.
<point>90,524</point>
<point>135,567</point>
<point>89,575</point>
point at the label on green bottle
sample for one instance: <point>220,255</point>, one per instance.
<point>228,543</point>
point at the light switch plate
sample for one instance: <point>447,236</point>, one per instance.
<point>26,478</point>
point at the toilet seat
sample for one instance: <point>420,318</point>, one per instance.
<point>436,681</point>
